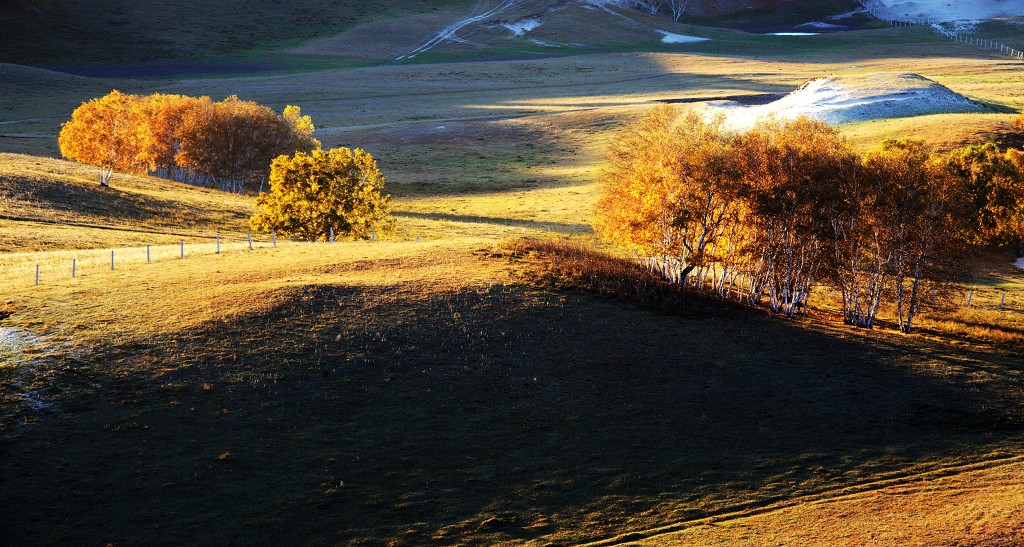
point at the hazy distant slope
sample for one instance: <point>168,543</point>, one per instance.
<point>122,31</point>
<point>74,31</point>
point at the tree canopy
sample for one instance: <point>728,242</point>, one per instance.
<point>788,205</point>
<point>105,132</point>
<point>184,138</point>
<point>313,193</point>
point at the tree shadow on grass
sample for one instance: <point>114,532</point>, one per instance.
<point>475,219</point>
<point>406,415</point>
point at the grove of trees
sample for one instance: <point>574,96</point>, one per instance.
<point>675,8</point>
<point>335,191</point>
<point>768,215</point>
<point>188,139</point>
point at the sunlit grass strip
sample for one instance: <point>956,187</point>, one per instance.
<point>18,270</point>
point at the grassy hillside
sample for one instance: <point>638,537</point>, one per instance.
<point>68,209</point>
<point>455,385</point>
<point>428,392</point>
<point>114,31</point>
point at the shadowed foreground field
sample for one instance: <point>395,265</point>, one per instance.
<point>367,402</point>
<point>450,391</point>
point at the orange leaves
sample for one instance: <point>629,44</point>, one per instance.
<point>313,194</point>
<point>104,132</point>
<point>161,118</point>
<point>666,189</point>
<point>228,141</point>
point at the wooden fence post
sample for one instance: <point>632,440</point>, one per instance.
<point>148,261</point>
<point>332,234</point>
<point>183,248</point>
<point>273,238</point>
<point>969,298</point>
<point>37,274</point>
<point>218,244</point>
<point>111,260</point>
<point>249,236</point>
<point>1002,303</point>
<point>74,266</point>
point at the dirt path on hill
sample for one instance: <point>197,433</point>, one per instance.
<point>448,33</point>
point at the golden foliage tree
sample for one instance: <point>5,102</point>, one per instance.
<point>789,171</point>
<point>105,132</point>
<point>162,119</point>
<point>669,190</point>
<point>788,204</point>
<point>178,137</point>
<point>994,182</point>
<point>315,193</point>
<point>233,139</point>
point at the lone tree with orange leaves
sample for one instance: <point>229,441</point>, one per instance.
<point>105,132</point>
<point>313,195</point>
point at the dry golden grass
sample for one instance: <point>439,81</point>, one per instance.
<point>975,505</point>
<point>390,366</point>
<point>42,198</point>
<point>426,392</point>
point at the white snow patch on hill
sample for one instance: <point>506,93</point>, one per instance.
<point>1020,263</point>
<point>839,101</point>
<point>944,10</point>
<point>522,26</point>
<point>673,38</point>
<point>821,26</point>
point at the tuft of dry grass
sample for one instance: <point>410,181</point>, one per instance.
<point>566,265</point>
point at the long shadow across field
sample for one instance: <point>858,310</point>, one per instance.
<point>401,414</point>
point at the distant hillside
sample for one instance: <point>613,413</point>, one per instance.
<point>112,32</point>
<point>74,31</point>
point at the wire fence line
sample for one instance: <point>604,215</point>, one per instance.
<point>922,21</point>
<point>45,268</point>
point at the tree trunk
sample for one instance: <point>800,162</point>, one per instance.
<point>105,174</point>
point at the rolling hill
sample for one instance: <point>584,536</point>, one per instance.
<point>465,383</point>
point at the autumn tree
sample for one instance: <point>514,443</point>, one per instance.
<point>994,183</point>
<point>105,132</point>
<point>789,170</point>
<point>162,118</point>
<point>234,139</point>
<point>669,190</point>
<point>175,135</point>
<point>313,193</point>
<point>934,248</point>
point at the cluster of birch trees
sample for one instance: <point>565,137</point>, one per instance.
<point>675,8</point>
<point>768,215</point>
<point>188,139</point>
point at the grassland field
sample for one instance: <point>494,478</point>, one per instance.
<point>440,387</point>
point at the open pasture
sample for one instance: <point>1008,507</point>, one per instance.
<point>443,390</point>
